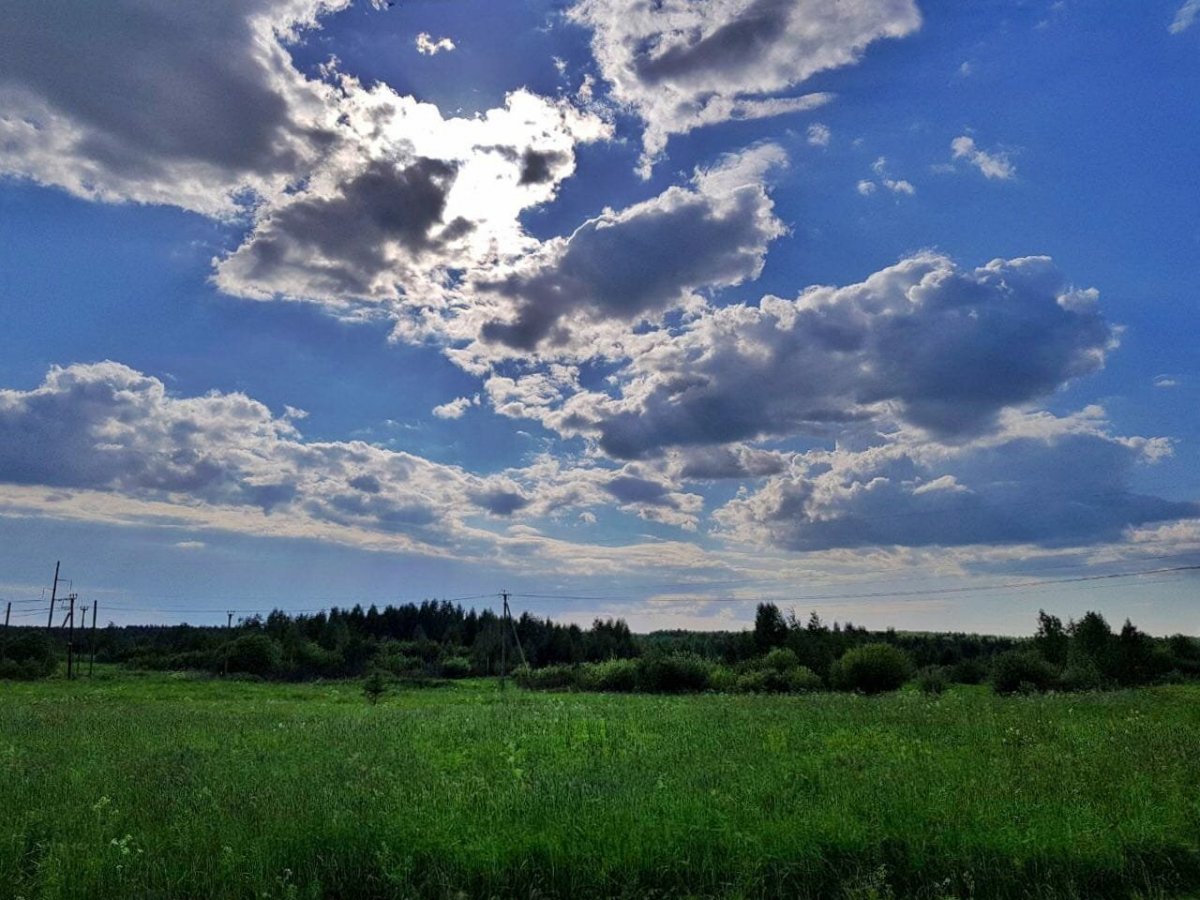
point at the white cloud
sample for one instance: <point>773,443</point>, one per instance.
<point>681,65</point>
<point>992,165</point>
<point>922,342</point>
<point>819,135</point>
<point>895,185</point>
<point>1040,480</point>
<point>409,195</point>
<point>1166,381</point>
<point>200,102</point>
<point>429,47</point>
<point>358,196</point>
<point>1185,17</point>
<point>104,442</point>
<point>455,408</point>
<point>625,267</point>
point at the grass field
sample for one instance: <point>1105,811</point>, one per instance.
<point>163,786</point>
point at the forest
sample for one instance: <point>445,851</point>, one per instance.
<point>440,640</point>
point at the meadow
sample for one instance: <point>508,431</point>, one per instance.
<point>170,786</point>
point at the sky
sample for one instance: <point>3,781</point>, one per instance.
<point>643,308</point>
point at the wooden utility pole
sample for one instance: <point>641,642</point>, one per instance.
<point>4,643</point>
<point>71,639</point>
<point>82,622</point>
<point>53,591</point>
<point>506,625</point>
<point>92,642</point>
<point>503,640</point>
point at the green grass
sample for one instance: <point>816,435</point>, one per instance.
<point>164,786</point>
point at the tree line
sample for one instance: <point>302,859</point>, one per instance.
<point>439,640</point>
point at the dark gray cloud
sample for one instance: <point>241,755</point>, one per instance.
<point>630,489</point>
<point>637,263</point>
<point>717,463</point>
<point>179,103</point>
<point>923,341</point>
<point>540,167</point>
<point>1064,489</point>
<point>360,241</point>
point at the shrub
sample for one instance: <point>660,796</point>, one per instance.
<point>768,680</point>
<point>968,671</point>
<point>781,659</point>
<point>1021,671</point>
<point>374,687</point>
<point>802,679</point>
<point>933,679</point>
<point>311,659</point>
<point>723,679</point>
<point>455,667</point>
<point>254,654</point>
<point>399,664</point>
<point>871,669</point>
<point>674,673</point>
<point>27,656</point>
<point>1081,675</point>
<point>547,678</point>
<point>615,675</point>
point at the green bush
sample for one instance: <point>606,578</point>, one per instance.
<point>1081,675</point>
<point>310,659</point>
<point>547,678</point>
<point>674,673</point>
<point>769,680</point>
<point>374,687</point>
<point>1021,671</point>
<point>933,679</point>
<point>254,654</point>
<point>723,679</point>
<point>781,659</point>
<point>802,679</point>
<point>614,675</point>
<point>27,656</point>
<point>969,671</point>
<point>871,669</point>
<point>455,667</point>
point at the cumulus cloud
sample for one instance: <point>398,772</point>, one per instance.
<point>635,264</point>
<point>227,461</point>
<point>368,234</point>
<point>992,165</point>
<point>1039,480</point>
<point>200,100</point>
<point>454,409</point>
<point>356,193</point>
<point>923,342</point>
<point>682,64</point>
<point>408,196</point>
<point>429,47</point>
<point>1185,17</point>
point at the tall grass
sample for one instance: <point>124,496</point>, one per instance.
<point>167,787</point>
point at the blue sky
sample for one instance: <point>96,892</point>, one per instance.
<point>645,309</point>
